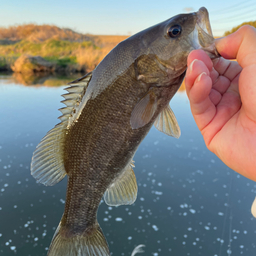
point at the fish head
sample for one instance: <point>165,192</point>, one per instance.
<point>171,41</point>
<point>162,64</point>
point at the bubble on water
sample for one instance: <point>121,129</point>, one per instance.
<point>159,184</point>
<point>13,248</point>
<point>6,185</point>
<point>36,239</point>
<point>192,211</point>
<point>207,228</point>
<point>241,246</point>
<point>245,232</point>
<point>189,229</point>
<point>7,243</point>
<point>105,219</point>
<point>185,213</point>
<point>1,234</point>
<point>169,208</point>
<point>155,227</point>
<point>62,201</point>
<point>15,206</point>
<point>142,199</point>
<point>129,238</point>
<point>159,193</point>
<point>119,219</point>
<point>220,213</point>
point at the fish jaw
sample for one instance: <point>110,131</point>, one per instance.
<point>202,37</point>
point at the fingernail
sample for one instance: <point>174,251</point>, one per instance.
<point>192,64</point>
<point>200,76</point>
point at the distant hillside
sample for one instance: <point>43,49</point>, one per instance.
<point>39,33</point>
<point>252,23</point>
<point>65,48</point>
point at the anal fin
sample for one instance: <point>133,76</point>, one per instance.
<point>123,190</point>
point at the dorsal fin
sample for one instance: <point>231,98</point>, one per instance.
<point>73,98</point>
<point>47,165</point>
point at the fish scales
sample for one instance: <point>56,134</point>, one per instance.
<point>109,112</point>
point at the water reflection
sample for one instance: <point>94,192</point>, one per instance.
<point>188,204</point>
<point>40,79</point>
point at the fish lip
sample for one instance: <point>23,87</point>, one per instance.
<point>204,27</point>
<point>203,20</point>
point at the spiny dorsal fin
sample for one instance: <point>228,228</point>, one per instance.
<point>144,110</point>
<point>124,189</point>
<point>166,122</point>
<point>47,165</point>
<point>73,98</point>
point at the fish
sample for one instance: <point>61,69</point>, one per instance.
<point>108,112</point>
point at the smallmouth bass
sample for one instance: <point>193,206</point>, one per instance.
<point>108,113</point>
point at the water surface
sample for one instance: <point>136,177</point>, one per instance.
<point>189,202</point>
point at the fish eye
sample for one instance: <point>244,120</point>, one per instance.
<point>174,31</point>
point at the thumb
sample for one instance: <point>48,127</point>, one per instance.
<point>241,46</point>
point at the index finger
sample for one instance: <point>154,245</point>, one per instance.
<point>239,45</point>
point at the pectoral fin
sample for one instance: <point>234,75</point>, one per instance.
<point>123,190</point>
<point>144,110</point>
<point>166,122</point>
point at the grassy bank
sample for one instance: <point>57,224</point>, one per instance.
<point>85,55</point>
<point>62,47</point>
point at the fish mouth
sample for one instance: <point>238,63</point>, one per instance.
<point>202,34</point>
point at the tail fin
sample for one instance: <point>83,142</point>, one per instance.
<point>92,243</point>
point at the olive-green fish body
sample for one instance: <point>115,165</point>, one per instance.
<point>108,113</point>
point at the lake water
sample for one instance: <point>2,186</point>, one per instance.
<point>189,202</point>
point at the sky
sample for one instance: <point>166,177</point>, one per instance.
<point>121,17</point>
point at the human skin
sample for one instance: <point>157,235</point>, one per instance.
<point>222,95</point>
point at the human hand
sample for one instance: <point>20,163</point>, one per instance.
<point>222,95</point>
